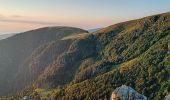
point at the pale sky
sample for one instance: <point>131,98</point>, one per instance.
<point>23,15</point>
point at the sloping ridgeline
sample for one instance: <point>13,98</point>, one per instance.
<point>134,53</point>
<point>24,56</point>
<point>91,66</point>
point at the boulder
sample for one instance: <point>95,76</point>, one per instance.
<point>126,93</point>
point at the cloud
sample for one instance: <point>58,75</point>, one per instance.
<point>17,16</point>
<point>21,19</point>
<point>28,21</point>
<point>1,16</point>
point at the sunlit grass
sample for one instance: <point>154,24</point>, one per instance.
<point>76,36</point>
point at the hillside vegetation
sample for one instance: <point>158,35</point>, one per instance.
<point>91,65</point>
<point>19,56</point>
<point>134,53</point>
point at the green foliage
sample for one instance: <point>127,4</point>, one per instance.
<point>138,49</point>
<point>91,66</point>
<point>16,64</point>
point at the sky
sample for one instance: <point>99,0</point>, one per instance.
<point>23,15</point>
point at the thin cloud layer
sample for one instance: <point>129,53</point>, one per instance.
<point>21,19</point>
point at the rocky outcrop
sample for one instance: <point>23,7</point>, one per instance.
<point>126,93</point>
<point>167,97</point>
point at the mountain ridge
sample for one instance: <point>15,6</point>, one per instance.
<point>142,36</point>
<point>91,65</point>
<point>16,49</point>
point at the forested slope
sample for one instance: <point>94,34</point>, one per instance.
<point>16,50</point>
<point>90,66</point>
<point>134,53</point>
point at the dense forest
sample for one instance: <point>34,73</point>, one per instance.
<point>72,64</point>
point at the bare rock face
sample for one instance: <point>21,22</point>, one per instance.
<point>126,93</point>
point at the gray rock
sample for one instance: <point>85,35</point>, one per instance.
<point>167,97</point>
<point>126,93</point>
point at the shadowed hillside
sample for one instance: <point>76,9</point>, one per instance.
<point>17,49</point>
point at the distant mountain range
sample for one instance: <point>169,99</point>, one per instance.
<point>94,30</point>
<point>4,36</point>
<point>72,64</point>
